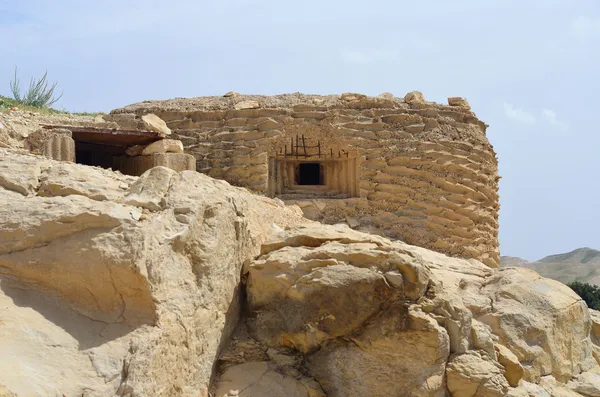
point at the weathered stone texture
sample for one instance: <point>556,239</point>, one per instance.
<point>56,144</point>
<point>137,165</point>
<point>437,326</point>
<point>114,285</point>
<point>424,173</point>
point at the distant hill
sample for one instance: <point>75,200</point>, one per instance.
<point>582,264</point>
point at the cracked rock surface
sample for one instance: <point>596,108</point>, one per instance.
<point>176,284</point>
<point>365,316</point>
<point>116,285</point>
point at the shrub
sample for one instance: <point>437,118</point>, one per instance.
<point>588,292</point>
<point>39,94</point>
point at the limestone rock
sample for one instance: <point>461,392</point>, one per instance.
<point>46,349</point>
<point>458,101</point>
<point>19,173</point>
<point>401,350</point>
<point>387,95</point>
<point>231,94</point>
<point>4,392</point>
<point>587,383</point>
<point>247,105</point>
<point>595,331</point>
<point>150,189</point>
<point>554,316</point>
<point>261,379</point>
<point>352,222</point>
<point>134,286</point>
<point>139,164</point>
<point>154,123</point>
<point>130,121</point>
<point>56,144</point>
<point>483,338</point>
<point>513,369</point>
<point>126,306</point>
<point>163,146</point>
<point>520,392</point>
<point>322,305</point>
<point>472,375</point>
<point>73,179</point>
<point>414,97</point>
<point>349,96</point>
<point>549,386</point>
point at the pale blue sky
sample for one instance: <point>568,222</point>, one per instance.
<point>528,67</point>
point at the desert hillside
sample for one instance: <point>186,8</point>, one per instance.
<point>581,265</point>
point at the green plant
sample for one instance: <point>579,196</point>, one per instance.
<point>588,292</point>
<point>38,95</point>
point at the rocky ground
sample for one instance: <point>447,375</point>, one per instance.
<point>176,284</point>
<point>17,124</point>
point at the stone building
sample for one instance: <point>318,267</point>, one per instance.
<point>131,145</point>
<point>411,169</point>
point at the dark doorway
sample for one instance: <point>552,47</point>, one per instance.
<point>94,155</point>
<point>309,174</point>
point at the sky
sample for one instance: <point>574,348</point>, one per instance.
<point>529,69</point>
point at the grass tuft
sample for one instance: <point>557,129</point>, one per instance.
<point>38,95</point>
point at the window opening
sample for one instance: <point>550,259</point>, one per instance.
<point>309,174</point>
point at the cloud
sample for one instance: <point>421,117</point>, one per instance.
<point>518,114</point>
<point>586,27</point>
<point>550,117</point>
<point>366,57</point>
<point>523,116</point>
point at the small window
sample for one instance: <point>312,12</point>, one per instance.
<point>309,174</point>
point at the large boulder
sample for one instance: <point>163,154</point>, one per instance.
<point>369,316</point>
<point>402,349</point>
<point>118,285</point>
<point>543,322</point>
<point>100,297</point>
<point>475,375</point>
<point>154,123</point>
<point>63,179</point>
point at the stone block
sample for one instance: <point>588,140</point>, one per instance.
<point>247,105</point>
<point>414,97</point>
<point>56,144</point>
<point>139,164</point>
<point>60,147</point>
<point>163,146</point>
<point>458,101</point>
<point>350,96</point>
<point>125,121</point>
<point>154,123</point>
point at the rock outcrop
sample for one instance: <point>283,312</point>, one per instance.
<point>176,284</point>
<point>114,285</point>
<point>370,317</point>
